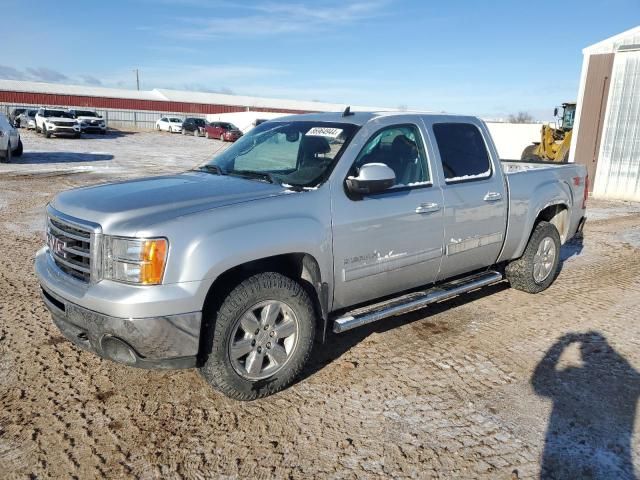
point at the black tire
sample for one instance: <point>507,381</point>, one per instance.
<point>46,132</point>
<point>528,154</point>
<point>8,154</point>
<point>37,129</point>
<point>520,272</point>
<point>220,328</point>
<point>18,151</point>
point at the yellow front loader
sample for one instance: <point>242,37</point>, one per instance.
<point>555,142</point>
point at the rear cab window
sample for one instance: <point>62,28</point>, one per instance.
<point>463,152</point>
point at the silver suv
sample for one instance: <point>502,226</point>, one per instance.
<point>10,141</point>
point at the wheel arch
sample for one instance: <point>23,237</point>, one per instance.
<point>300,266</point>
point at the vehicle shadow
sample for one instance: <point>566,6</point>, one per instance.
<point>60,157</point>
<point>590,430</point>
<point>337,345</point>
<point>572,248</point>
<point>110,134</point>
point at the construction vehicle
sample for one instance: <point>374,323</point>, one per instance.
<point>554,142</point>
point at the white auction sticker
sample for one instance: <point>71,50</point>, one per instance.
<point>324,132</point>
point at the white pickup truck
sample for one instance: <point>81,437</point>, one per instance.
<point>307,223</point>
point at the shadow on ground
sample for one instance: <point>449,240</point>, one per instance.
<point>573,248</point>
<point>590,430</point>
<point>44,158</point>
<point>338,344</point>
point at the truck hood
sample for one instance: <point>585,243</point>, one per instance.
<point>125,208</point>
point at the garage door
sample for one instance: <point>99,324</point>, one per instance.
<point>618,173</point>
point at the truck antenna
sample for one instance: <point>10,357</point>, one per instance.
<point>347,112</point>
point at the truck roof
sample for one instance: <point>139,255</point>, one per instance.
<point>360,118</point>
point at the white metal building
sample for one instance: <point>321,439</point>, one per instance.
<point>606,134</point>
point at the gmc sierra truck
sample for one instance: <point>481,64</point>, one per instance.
<point>307,223</point>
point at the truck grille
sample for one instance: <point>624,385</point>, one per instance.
<point>70,246</point>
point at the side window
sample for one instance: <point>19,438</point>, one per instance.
<point>463,152</point>
<point>399,147</point>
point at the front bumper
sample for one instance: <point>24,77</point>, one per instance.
<point>159,341</point>
<point>61,129</point>
<point>94,128</point>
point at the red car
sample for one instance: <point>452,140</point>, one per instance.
<point>223,131</point>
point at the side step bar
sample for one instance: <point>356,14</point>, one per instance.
<point>413,301</point>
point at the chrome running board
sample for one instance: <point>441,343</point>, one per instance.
<point>413,301</point>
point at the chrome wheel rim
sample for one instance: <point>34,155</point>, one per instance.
<point>263,340</point>
<point>544,259</point>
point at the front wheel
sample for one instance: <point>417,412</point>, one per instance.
<point>260,338</point>
<point>536,270</point>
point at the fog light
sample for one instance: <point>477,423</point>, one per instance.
<point>117,350</point>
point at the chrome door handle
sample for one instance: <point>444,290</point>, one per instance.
<point>427,208</point>
<point>493,197</point>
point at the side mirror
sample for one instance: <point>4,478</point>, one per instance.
<point>555,112</point>
<point>372,178</point>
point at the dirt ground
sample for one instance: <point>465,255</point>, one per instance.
<point>476,387</point>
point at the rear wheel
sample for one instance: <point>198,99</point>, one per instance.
<point>18,151</point>
<point>536,270</point>
<point>260,338</point>
<point>7,155</point>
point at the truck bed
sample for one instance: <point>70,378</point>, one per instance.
<point>533,186</point>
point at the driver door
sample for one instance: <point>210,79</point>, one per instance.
<point>389,241</point>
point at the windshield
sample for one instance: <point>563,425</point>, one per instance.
<point>32,113</point>
<point>296,153</point>
<point>175,120</point>
<point>198,121</point>
<point>229,126</point>
<point>85,113</point>
<point>57,113</point>
<point>568,116</point>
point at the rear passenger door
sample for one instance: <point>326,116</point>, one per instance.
<point>475,203</point>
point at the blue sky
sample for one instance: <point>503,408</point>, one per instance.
<point>486,58</point>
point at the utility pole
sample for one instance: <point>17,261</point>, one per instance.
<point>137,79</point>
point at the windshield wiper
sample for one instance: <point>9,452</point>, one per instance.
<point>253,174</point>
<point>215,169</point>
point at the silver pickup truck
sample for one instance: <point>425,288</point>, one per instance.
<point>307,223</point>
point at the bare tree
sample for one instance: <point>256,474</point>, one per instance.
<point>521,117</point>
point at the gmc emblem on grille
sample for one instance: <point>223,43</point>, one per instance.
<point>57,246</point>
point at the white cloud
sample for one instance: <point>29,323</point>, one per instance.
<point>271,18</point>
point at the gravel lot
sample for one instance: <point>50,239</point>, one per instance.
<point>477,387</point>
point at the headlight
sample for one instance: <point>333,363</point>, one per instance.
<point>135,260</point>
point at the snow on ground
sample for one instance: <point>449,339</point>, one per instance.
<point>116,153</point>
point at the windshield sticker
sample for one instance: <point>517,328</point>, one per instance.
<point>324,132</point>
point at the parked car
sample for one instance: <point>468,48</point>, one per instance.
<point>53,121</point>
<point>169,124</point>
<point>235,268</point>
<point>89,120</point>
<point>10,142</point>
<point>223,131</point>
<point>194,126</point>
<point>14,114</point>
<point>27,119</point>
